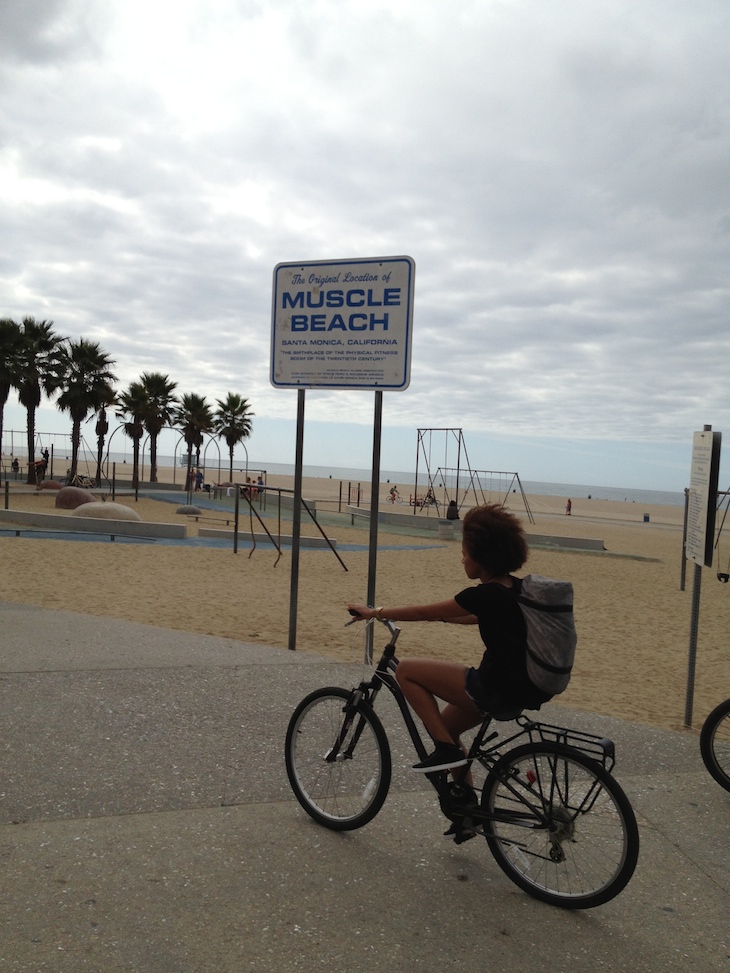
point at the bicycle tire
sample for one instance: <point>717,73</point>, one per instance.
<point>348,792</point>
<point>575,841</point>
<point>715,744</point>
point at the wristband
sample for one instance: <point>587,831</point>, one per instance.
<point>378,613</point>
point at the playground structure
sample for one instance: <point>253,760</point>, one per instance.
<point>459,482</point>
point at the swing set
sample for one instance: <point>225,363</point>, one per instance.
<point>458,483</point>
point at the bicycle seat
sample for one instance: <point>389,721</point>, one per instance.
<point>504,716</point>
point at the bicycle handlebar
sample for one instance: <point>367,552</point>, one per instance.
<point>389,624</point>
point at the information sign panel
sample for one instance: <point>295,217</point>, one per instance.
<point>702,497</point>
<point>344,324</point>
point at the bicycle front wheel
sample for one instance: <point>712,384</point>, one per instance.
<point>566,832</point>
<point>715,744</point>
<point>338,762</point>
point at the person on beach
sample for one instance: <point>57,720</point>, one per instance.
<point>568,507</point>
<point>493,547</point>
<point>39,468</point>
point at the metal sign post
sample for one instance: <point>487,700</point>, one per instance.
<point>342,324</point>
<point>700,529</point>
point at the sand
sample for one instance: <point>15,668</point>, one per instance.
<point>633,620</point>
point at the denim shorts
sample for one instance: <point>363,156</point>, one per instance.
<point>475,690</point>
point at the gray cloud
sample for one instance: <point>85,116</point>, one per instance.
<point>556,169</point>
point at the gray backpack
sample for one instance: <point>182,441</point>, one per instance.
<point>547,606</point>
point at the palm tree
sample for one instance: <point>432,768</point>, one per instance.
<point>193,417</point>
<point>87,387</point>
<point>131,405</point>
<point>233,423</point>
<point>158,412</point>
<point>10,338</point>
<point>101,429</point>
<point>39,370</point>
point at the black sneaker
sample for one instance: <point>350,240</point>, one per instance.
<point>461,831</point>
<point>462,823</point>
<point>445,756</point>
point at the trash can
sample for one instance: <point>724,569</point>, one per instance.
<point>646,518</point>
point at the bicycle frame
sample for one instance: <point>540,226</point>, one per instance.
<point>599,749</point>
<point>531,807</point>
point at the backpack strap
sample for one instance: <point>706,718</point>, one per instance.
<point>558,670</point>
<point>541,606</point>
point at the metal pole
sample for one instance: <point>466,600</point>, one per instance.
<point>694,624</point>
<point>683,570</point>
<point>235,521</point>
<point>374,491</point>
<point>296,522</point>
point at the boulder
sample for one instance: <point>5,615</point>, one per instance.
<point>189,510</point>
<point>107,511</point>
<point>69,498</point>
<point>51,485</point>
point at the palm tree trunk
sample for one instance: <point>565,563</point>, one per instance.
<point>4,393</point>
<point>102,427</point>
<point>31,444</point>
<point>75,441</point>
<point>135,462</point>
<point>189,476</point>
<point>153,458</point>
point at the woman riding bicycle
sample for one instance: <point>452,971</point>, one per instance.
<point>493,546</point>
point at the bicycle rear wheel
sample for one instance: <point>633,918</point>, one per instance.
<point>569,836</point>
<point>715,744</point>
<point>338,763</point>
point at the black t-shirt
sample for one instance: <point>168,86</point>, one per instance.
<point>503,669</point>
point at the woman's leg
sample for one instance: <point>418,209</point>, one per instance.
<point>424,679</point>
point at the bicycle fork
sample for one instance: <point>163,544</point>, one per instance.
<point>336,752</point>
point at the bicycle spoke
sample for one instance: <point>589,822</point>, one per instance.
<point>581,843</point>
<point>338,765</point>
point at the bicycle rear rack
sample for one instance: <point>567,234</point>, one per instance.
<point>597,748</point>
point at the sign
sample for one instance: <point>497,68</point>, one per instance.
<point>343,325</point>
<point>702,497</point>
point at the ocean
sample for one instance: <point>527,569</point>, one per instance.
<point>479,480</point>
<point>495,483</point>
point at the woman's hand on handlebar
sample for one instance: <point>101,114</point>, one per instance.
<point>361,612</point>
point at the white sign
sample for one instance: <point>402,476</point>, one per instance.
<point>343,324</point>
<point>702,499</point>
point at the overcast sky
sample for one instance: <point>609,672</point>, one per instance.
<point>558,170</point>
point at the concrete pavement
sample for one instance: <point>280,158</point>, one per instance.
<point>147,826</point>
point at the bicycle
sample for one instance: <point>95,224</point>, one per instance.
<point>394,497</point>
<point>715,744</point>
<point>554,819</point>
<point>421,502</point>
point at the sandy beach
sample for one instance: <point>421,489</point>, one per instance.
<point>633,620</point>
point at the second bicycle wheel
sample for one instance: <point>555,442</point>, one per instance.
<point>569,835</point>
<point>338,764</point>
<point>715,744</point>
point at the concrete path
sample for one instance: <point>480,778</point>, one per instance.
<point>148,827</point>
